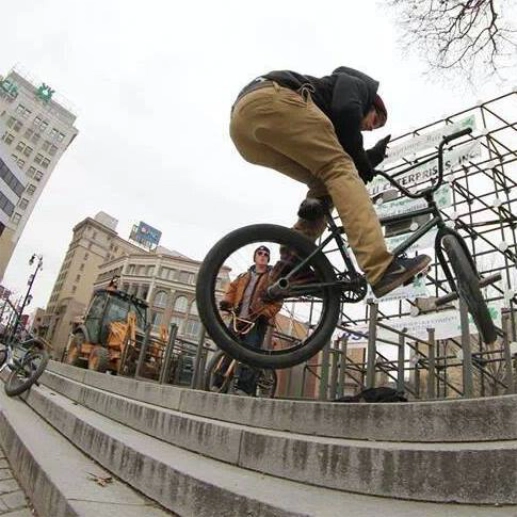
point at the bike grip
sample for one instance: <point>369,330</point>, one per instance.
<point>458,134</point>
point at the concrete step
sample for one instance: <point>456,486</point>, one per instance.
<point>193,485</point>
<point>476,472</point>
<point>57,477</point>
<point>474,420</point>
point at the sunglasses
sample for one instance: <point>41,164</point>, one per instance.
<point>263,253</point>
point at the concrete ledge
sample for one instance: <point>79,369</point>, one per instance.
<point>214,439</point>
<point>56,476</point>
<point>193,485</point>
<point>487,419</point>
<point>480,472</point>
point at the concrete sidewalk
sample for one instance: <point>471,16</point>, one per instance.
<point>13,502</point>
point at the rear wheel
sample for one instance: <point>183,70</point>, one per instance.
<point>26,371</point>
<point>99,359</point>
<point>467,283</point>
<point>216,379</point>
<point>266,384</point>
<point>305,290</point>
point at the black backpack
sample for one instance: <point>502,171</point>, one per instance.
<point>381,394</point>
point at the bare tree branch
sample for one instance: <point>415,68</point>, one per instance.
<point>470,36</point>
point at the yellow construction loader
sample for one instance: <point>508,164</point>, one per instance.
<point>114,325</point>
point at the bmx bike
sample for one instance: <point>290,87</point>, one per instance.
<point>26,361</point>
<point>323,277</point>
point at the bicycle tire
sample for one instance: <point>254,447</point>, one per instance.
<point>208,382</point>
<point>272,388</point>
<point>467,282</point>
<point>217,329</point>
<point>12,388</point>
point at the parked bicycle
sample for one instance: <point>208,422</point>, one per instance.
<point>26,360</point>
<point>314,288</point>
<point>220,377</point>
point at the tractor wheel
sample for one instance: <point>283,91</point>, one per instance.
<point>99,359</point>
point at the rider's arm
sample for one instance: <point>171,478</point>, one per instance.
<point>348,99</point>
<point>231,292</point>
<point>271,309</point>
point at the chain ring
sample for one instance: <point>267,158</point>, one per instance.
<point>357,292</point>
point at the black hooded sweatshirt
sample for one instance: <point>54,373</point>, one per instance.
<point>345,97</point>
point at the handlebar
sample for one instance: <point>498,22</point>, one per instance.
<point>445,140</point>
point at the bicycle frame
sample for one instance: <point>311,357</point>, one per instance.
<point>432,209</point>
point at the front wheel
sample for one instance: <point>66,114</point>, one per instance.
<point>306,297</point>
<point>26,371</point>
<point>467,283</point>
<point>99,359</point>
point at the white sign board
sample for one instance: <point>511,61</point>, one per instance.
<point>430,139</point>
<point>445,323</point>
<point>425,172</point>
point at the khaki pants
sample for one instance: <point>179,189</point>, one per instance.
<point>278,128</point>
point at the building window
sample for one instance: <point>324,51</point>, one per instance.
<point>150,271</point>
<point>186,278</point>
<point>23,203</point>
<point>74,289</point>
<point>20,163</point>
<point>181,304</point>
<point>156,319</point>
<point>11,180</point>
<point>30,189</point>
<point>23,111</point>
<point>45,163</point>
<point>39,158</point>
<point>160,299</point>
<point>20,147</point>
<point>8,138</point>
<point>28,150</point>
<point>11,121</point>
<point>40,124</point>
<point>31,172</point>
<point>35,138</point>
<point>81,268</point>
<point>57,135</point>
<point>193,308</point>
<point>78,278</point>
<point>38,175</point>
<point>5,205</point>
<point>192,328</point>
<point>131,269</point>
<point>16,218</point>
<point>17,126</point>
<point>167,273</point>
<point>176,320</point>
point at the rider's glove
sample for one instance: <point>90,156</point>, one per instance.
<point>262,319</point>
<point>368,176</point>
<point>378,152</point>
<point>225,305</point>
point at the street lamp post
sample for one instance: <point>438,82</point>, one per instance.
<point>28,297</point>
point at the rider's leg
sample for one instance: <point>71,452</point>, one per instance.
<point>274,122</point>
<point>247,376</point>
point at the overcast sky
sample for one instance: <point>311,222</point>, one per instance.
<point>152,84</point>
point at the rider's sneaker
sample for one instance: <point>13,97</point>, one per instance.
<point>399,272</point>
<point>288,261</point>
